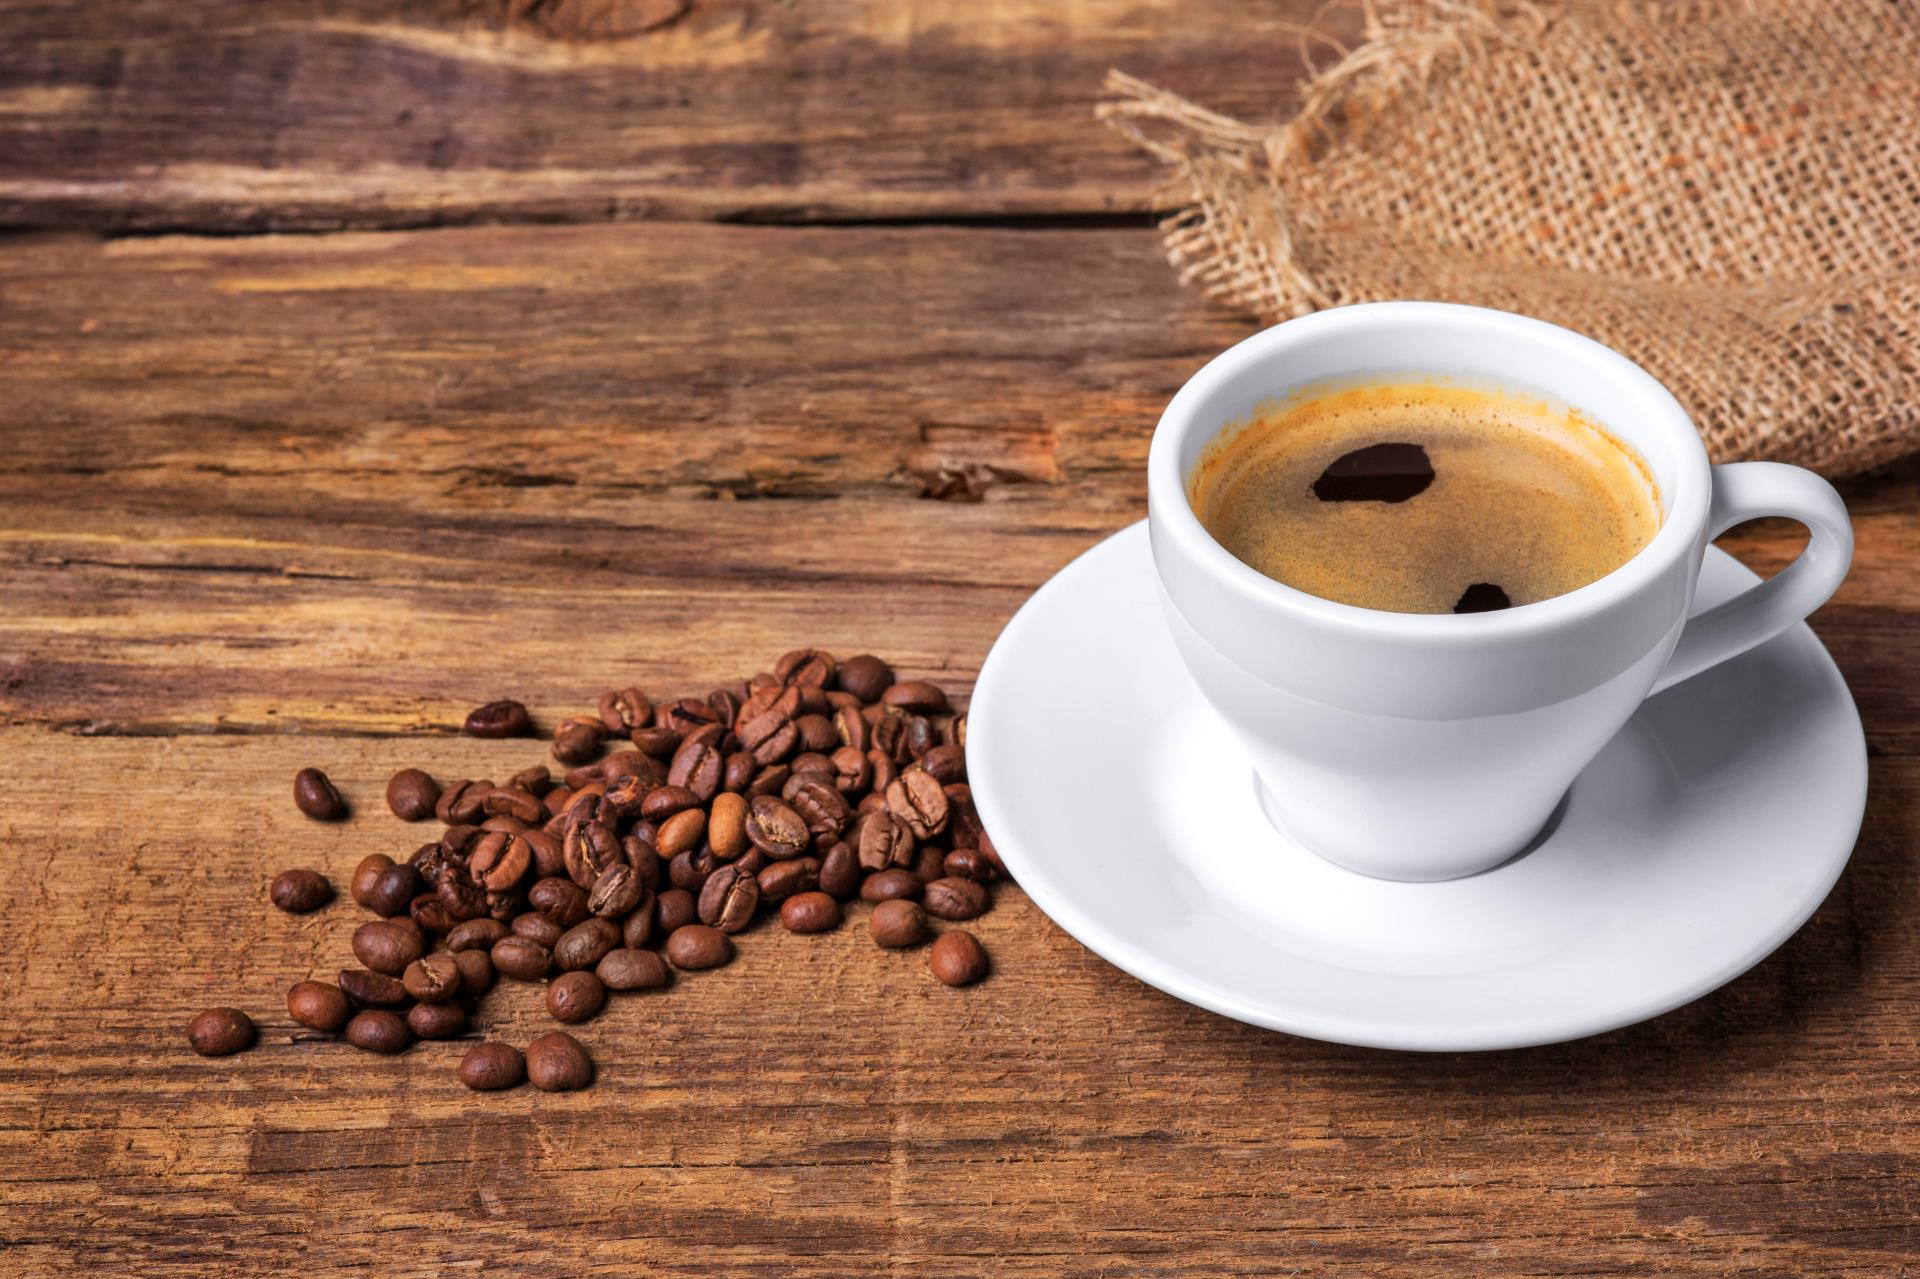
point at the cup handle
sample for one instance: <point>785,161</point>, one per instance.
<point>1749,490</point>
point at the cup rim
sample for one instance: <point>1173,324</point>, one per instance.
<point>1173,515</point>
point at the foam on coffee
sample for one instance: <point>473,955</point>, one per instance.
<point>1417,497</point>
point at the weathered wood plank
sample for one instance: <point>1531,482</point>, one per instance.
<point>821,1108</point>
<point>296,114</point>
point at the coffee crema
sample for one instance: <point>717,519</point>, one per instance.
<point>1415,497</point>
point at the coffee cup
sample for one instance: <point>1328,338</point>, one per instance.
<point>1417,746</point>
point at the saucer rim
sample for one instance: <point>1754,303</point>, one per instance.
<point>1058,904</point>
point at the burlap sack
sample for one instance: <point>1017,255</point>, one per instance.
<point>1726,191</point>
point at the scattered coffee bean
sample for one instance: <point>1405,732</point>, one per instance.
<point>315,796</point>
<point>957,958</point>
<point>917,696</point>
<point>436,1021</point>
<point>432,978</point>
<point>783,879</point>
<point>683,832</point>
<point>866,677</point>
<point>631,969</point>
<point>624,710</point>
<point>360,887</point>
<point>946,764</point>
<point>371,989</point>
<point>476,934</point>
<point>636,930</point>
<point>376,1030</point>
<point>476,972</point>
<point>693,947</point>
<point>890,885</point>
<point>386,947</point>
<point>318,1005</point>
<point>557,1063</point>
<point>220,1032</point>
<point>535,926</point>
<point>300,891</point>
<point>953,898</point>
<point>412,794</point>
<point>499,719</point>
<point>577,740</point>
<point>521,958</point>
<point>462,802</point>
<point>919,802</point>
<point>574,997</point>
<point>775,829</point>
<point>583,945</point>
<point>898,923</point>
<point>492,1066</point>
<point>840,872</point>
<point>968,863</point>
<point>560,900</point>
<point>811,912</point>
<point>673,910</point>
<point>729,899</point>
<point>394,889</point>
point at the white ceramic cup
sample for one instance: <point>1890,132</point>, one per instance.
<point>1420,746</point>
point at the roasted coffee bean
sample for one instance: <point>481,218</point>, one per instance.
<point>513,865</point>
<point>582,945</point>
<point>574,997</point>
<point>807,666</point>
<point>817,733</point>
<point>318,1005</point>
<point>536,926</point>
<point>852,730</point>
<point>729,899</point>
<point>681,833</point>
<point>665,801</point>
<point>376,990</point>
<point>645,860</point>
<point>672,910</point>
<point>623,764</point>
<point>502,907</point>
<point>920,802</point>
<point>557,1063</point>
<point>920,736</point>
<point>589,848</point>
<point>769,781</point>
<point>775,829</point>
<point>783,879</point>
<point>776,745</point>
<point>376,1030</point>
<point>589,804</point>
<point>955,898</point>
<point>851,771</point>
<point>624,710</point>
<point>963,819</point>
<point>657,743</point>
<point>688,714</point>
<point>535,780</point>
<point>432,978</point>
<point>811,912</point>
<point>820,806</point>
<point>631,969</point>
<point>888,736</point>
<point>626,798</point>
<point>884,770</point>
<point>966,863</point>
<point>511,801</point>
<point>453,842</point>
<point>692,947</point>
<point>898,924</point>
<point>757,729</point>
<point>583,774</point>
<point>739,771</point>
<point>429,914</point>
<point>918,696</point>
<point>385,947</point>
<point>881,840</point>
<point>436,1021</point>
<point>300,891</point>
<point>505,718</point>
<point>220,1032</point>
<point>636,930</point>
<point>411,794</point>
<point>577,740</point>
<point>957,958</point>
<point>493,1066</point>
<point>698,767</point>
<point>419,933</point>
<point>726,827</point>
<point>866,677</point>
<point>509,826</point>
<point>476,972</point>
<point>684,872</point>
<point>725,704</point>
<point>463,898</point>
<point>315,796</point>
<point>811,766</point>
<point>930,863</point>
<point>840,872</point>
<point>839,699</point>
<point>775,700</point>
<point>617,891</point>
<point>946,764</point>
<point>954,733</point>
<point>370,869</point>
<point>521,958</point>
<point>888,885</point>
<point>462,802</point>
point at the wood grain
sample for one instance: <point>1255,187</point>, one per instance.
<point>244,114</point>
<point>276,501</point>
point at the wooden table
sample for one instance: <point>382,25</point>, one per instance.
<point>361,361</point>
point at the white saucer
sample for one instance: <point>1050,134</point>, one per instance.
<point>1698,841</point>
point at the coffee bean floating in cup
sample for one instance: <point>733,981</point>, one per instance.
<point>801,795</point>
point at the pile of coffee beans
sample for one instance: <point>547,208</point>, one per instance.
<point>673,827</point>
